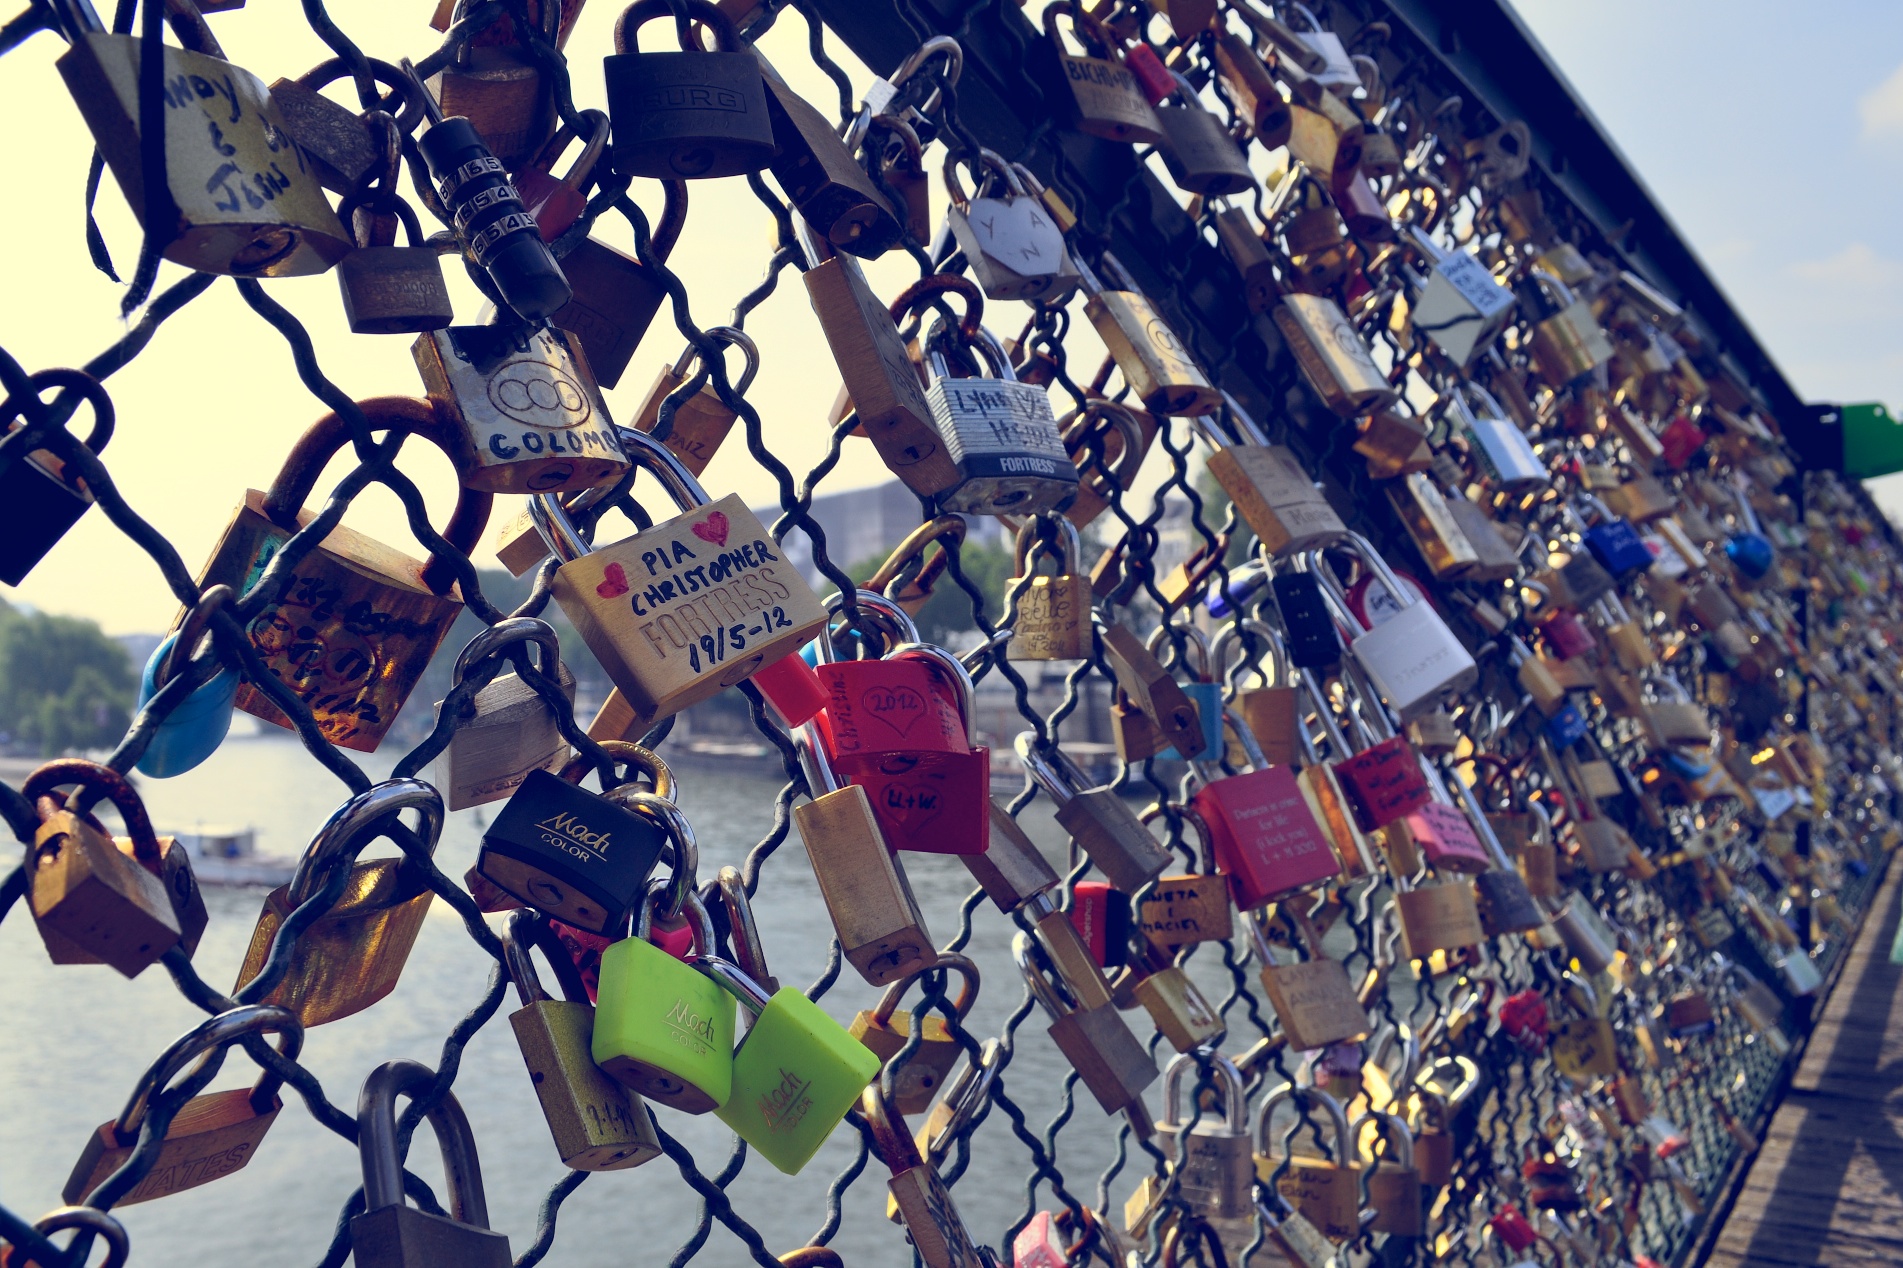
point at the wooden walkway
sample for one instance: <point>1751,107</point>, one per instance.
<point>1827,1187</point>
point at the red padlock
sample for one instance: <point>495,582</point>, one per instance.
<point>793,689</point>
<point>1152,76</point>
<point>1567,635</point>
<point>1447,839</point>
<point>877,710</point>
<point>1679,441</point>
<point>557,202</point>
<point>1523,1017</point>
<point>1265,837</point>
<point>1513,1229</point>
<point>1383,782</point>
<point>1101,915</point>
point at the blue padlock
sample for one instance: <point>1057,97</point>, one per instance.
<point>1567,727</point>
<point>1752,553</point>
<point>1617,547</point>
<point>193,731</point>
<point>1208,699</point>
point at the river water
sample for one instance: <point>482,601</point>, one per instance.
<point>74,1040</point>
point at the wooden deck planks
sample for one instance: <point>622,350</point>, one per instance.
<point>1827,1186</point>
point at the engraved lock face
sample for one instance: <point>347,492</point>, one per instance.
<point>1053,621</point>
<point>1275,497</point>
<point>1152,358</point>
<point>1315,1002</point>
<point>93,903</point>
<point>1106,100</point>
<point>1201,156</point>
<point>596,1124</point>
<point>663,1028</point>
<point>514,732</point>
<point>1332,355</point>
<point>1015,248</point>
<point>527,416</point>
<point>688,116</point>
<point>1412,658</point>
<point>248,204</point>
<point>615,299</point>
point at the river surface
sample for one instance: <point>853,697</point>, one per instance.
<point>74,1039</point>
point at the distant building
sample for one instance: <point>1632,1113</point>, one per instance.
<point>862,523</point>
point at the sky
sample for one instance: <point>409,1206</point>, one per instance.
<point>1772,137</point>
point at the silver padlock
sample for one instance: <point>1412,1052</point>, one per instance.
<point>1502,447</point>
<point>1412,659</point>
<point>1459,306</point>
<point>1015,249</point>
<point>1000,432</point>
<point>1216,1174</point>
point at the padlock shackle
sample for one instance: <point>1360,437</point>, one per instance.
<point>376,1142</point>
<point>638,760</point>
<point>680,885</point>
<point>894,1145</point>
<point>734,980</point>
<point>1046,982</point>
<point>1325,714</point>
<point>552,518</point>
<point>1101,414</point>
<point>1235,1099</point>
<point>298,476</point>
<point>1482,826</point>
<point>947,530</point>
<point>725,337</point>
<point>1192,816</point>
<point>1389,1127</point>
<point>524,931</point>
<point>627,26</point>
<point>90,389</point>
<point>1307,1097</point>
<point>1232,634</point>
<point>578,173</point>
<point>1467,1076</point>
<point>967,1092</point>
<point>876,609</point>
<point>699,924</point>
<point>1047,769</point>
<point>967,990</point>
<point>92,1220</point>
<point>195,1048</point>
<point>987,158</point>
<point>743,932</point>
<point>1089,31</point>
<point>112,786</point>
<point>330,70</point>
<point>821,781</point>
<point>1069,550</point>
<point>938,660</point>
<point>506,633</point>
<point>352,826</point>
<point>192,631</point>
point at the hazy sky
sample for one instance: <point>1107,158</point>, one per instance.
<point>1773,136</point>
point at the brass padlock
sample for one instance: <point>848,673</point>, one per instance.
<point>1394,1183</point>
<point>1107,1057</point>
<point>1153,690</point>
<point>1568,343</point>
<point>1157,367</point>
<point>1327,1193</point>
<point>1424,513</point>
<point>1097,819</point>
<point>1237,236</point>
<point>615,297</point>
<point>703,420</point>
<point>1201,156</point>
<point>521,409</point>
<point>356,621</point>
<point>886,1029</point>
<point>1053,611</point>
<point>1275,497</point>
<point>1312,997</point>
<point>388,289</point>
<point>1175,1005</point>
<point>822,177</point>
<point>354,953</point>
<point>93,902</point>
<point>1438,917</point>
<point>336,141</point>
<point>501,90</point>
<point>1105,100</point>
<point>244,200</point>
<point>211,1135</point>
<point>877,919</point>
<point>1332,355</point>
<point>510,729</point>
<point>1258,98</point>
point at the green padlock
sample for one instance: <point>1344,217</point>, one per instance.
<point>795,1074</point>
<point>662,1027</point>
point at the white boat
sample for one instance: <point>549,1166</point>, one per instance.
<point>228,857</point>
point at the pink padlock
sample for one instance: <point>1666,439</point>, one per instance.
<point>558,202</point>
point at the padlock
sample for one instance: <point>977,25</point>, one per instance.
<point>1496,558</point>
<point>557,202</point>
<point>1503,896</point>
<point>194,729</point>
<point>1384,780</point>
<point>1325,136</point>
<point>353,954</point>
<point>92,901</point>
<point>1204,693</point>
<point>501,90</point>
<point>1332,355</point>
<point>357,621</point>
<point>1015,249</point>
<point>703,420</point>
<point>1184,910</point>
<point>1277,500</point>
<point>663,1027</point>
<point>1152,358</point>
<point>918,1196</point>
<point>1506,456</point>
<point>1423,512</point>
<point>1097,819</point>
<point>1201,156</point>
<point>1394,444</point>
<point>1585,1047</point>
<point>240,196</point>
<point>685,609</point>
<point>337,144</point>
<point>1107,442</point>
<point>509,729</point>
<point>881,383</point>
<point>580,858</point>
<point>690,115</point>
<point>822,177</point>
<point>1154,691</point>
<point>1271,712</point>
<point>1000,432</point>
<point>885,1029</point>
<point>211,1135</point>
<point>1312,997</point>
<point>865,889</point>
<point>1312,638</point>
<point>1258,98</point>
<point>1104,98</point>
<point>1012,871</point>
<point>1567,343</point>
<point>41,500</point>
<point>598,1125</point>
<point>1394,1184</point>
<point>795,1073</point>
<point>1459,307</point>
<point>613,297</point>
<point>1641,499</point>
<point>1102,918</point>
<point>390,1234</point>
<point>1053,611</point>
<point>1412,658</point>
<point>1213,1174</point>
<point>1437,917</point>
<point>388,289</point>
<point>521,409</point>
<point>1107,1057</point>
<point>1266,839</point>
<point>1328,1193</point>
<point>1175,1004</point>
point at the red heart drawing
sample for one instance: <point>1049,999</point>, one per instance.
<point>615,583</point>
<point>713,528</point>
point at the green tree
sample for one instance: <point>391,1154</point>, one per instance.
<point>63,684</point>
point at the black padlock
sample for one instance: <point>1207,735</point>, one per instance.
<point>1313,642</point>
<point>690,115</point>
<point>580,858</point>
<point>38,501</point>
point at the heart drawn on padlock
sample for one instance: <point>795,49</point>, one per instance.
<point>713,528</point>
<point>614,582</point>
<point>898,707</point>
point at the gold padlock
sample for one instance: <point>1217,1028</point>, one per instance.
<point>1157,367</point>
<point>1053,612</point>
<point>1333,357</point>
<point>703,420</point>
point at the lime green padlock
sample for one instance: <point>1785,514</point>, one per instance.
<point>795,1074</point>
<point>662,1027</point>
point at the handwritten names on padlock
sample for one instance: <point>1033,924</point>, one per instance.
<point>1445,837</point>
<point>1315,1002</point>
<point>1383,783</point>
<point>876,709</point>
<point>1186,909</point>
